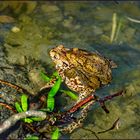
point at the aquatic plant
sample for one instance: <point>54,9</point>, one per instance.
<point>55,134</point>
<point>24,107</point>
<point>31,138</point>
<point>70,94</point>
<point>53,118</point>
<point>114,25</point>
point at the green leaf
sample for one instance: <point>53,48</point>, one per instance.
<point>18,107</point>
<point>71,94</point>
<point>56,74</point>
<point>24,102</point>
<point>50,103</point>
<point>32,138</point>
<point>45,77</point>
<point>44,109</point>
<point>55,88</point>
<point>36,119</point>
<point>28,120</point>
<point>55,134</point>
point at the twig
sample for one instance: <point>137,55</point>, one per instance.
<point>14,86</point>
<point>81,103</point>
<point>7,106</point>
<point>109,97</point>
<point>112,127</point>
<point>30,127</point>
<point>14,118</point>
<point>133,20</point>
<point>93,97</point>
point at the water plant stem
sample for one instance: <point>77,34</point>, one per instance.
<point>114,25</point>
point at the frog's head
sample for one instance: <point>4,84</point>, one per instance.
<point>58,55</point>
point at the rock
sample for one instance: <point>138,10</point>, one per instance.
<point>6,19</point>
<point>15,29</point>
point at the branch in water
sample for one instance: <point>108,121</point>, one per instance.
<point>14,118</point>
<point>115,124</point>
<point>14,86</point>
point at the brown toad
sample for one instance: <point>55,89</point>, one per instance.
<point>82,71</point>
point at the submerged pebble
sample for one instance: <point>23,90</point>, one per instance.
<point>15,29</point>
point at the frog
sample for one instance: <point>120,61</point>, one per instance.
<point>83,72</point>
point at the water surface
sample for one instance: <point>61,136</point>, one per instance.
<point>85,25</point>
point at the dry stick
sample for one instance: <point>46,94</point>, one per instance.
<point>92,97</point>
<point>112,127</point>
<point>81,103</point>
<point>109,97</point>
<point>67,114</point>
<point>14,118</point>
<point>30,127</point>
<point>7,106</point>
<point>14,86</point>
<point>133,20</point>
<point>11,108</point>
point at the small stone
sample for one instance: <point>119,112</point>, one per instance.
<point>15,29</point>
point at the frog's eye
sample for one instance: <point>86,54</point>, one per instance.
<point>56,56</point>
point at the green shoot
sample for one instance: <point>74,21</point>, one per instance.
<point>18,107</point>
<point>55,74</point>
<point>24,107</point>
<point>71,94</point>
<point>32,138</point>
<point>28,120</point>
<point>55,88</point>
<point>55,134</point>
<point>24,102</point>
<point>52,93</point>
<point>118,29</point>
<point>50,104</point>
<point>114,25</point>
<point>36,119</point>
<point>45,77</point>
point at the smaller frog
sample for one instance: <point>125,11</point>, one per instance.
<point>83,72</point>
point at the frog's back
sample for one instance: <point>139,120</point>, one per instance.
<point>82,71</point>
<point>96,68</point>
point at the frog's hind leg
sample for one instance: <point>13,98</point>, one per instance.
<point>78,122</point>
<point>84,92</point>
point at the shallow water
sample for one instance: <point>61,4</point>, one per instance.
<point>86,25</point>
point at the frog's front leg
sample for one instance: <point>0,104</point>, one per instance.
<point>49,84</point>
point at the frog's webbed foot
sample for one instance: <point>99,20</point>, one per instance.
<point>78,122</point>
